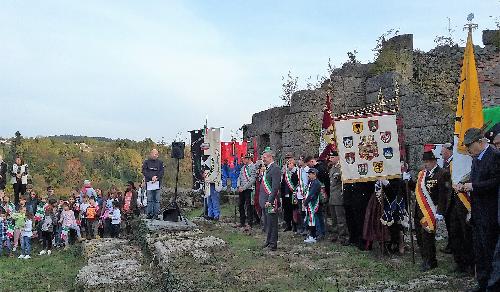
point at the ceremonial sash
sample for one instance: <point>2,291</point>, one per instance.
<point>288,180</point>
<point>425,204</point>
<point>312,209</point>
<point>10,230</point>
<point>267,185</point>
<point>245,173</point>
<point>463,197</point>
<point>40,211</point>
<point>64,232</point>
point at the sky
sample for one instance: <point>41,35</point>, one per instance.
<point>137,69</point>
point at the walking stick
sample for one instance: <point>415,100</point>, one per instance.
<point>411,222</point>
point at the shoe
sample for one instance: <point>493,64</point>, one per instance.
<point>27,257</point>
<point>15,248</point>
<point>49,252</point>
<point>273,248</point>
<point>287,229</point>
<point>97,237</point>
<point>310,239</point>
<point>21,257</point>
<point>42,252</point>
<point>265,245</point>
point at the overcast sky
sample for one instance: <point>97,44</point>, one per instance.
<point>136,69</point>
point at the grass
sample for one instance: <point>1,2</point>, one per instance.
<point>243,266</point>
<point>56,272</point>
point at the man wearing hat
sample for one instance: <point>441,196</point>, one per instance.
<point>289,183</point>
<point>433,183</point>
<point>269,200</point>
<point>246,185</point>
<point>483,189</point>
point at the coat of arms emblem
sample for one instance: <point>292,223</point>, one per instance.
<point>373,125</point>
<point>363,168</point>
<point>357,127</point>
<point>388,152</point>
<point>350,157</point>
<point>367,147</point>
<point>378,166</point>
<point>386,136</point>
<point>348,141</point>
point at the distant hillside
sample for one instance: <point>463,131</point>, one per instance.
<point>64,161</point>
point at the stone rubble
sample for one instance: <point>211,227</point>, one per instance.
<point>113,265</point>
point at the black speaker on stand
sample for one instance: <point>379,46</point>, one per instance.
<point>173,212</point>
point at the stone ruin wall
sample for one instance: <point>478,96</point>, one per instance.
<point>428,83</point>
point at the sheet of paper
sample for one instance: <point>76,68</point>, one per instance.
<point>151,186</point>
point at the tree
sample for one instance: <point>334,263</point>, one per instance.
<point>289,87</point>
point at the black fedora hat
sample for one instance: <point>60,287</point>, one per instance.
<point>428,155</point>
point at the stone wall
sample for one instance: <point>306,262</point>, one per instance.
<point>428,83</point>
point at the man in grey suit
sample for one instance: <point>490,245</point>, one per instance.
<point>268,199</point>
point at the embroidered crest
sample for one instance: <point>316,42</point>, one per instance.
<point>368,148</point>
<point>357,127</point>
<point>373,125</point>
<point>350,157</point>
<point>388,152</point>
<point>348,141</point>
<point>363,168</point>
<point>386,136</point>
<point>378,166</point>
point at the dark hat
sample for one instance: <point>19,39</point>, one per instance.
<point>472,135</point>
<point>428,155</point>
<point>288,155</point>
<point>249,155</point>
<point>312,170</point>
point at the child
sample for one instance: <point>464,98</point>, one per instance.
<point>22,202</point>
<point>32,204</point>
<point>83,214</point>
<point>19,218</point>
<point>68,222</point>
<point>26,237</point>
<point>91,214</point>
<point>116,219</point>
<point>129,205</point>
<point>7,205</point>
<point>47,227</point>
<point>4,238</point>
<point>142,198</point>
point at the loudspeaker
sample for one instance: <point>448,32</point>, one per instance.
<point>178,150</point>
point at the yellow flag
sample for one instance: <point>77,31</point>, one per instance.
<point>469,107</point>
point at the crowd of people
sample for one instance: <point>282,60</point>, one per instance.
<point>307,192</point>
<point>52,221</point>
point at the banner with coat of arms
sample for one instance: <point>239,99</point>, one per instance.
<point>368,147</point>
<point>211,160</point>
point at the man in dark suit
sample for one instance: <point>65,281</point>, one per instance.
<point>437,183</point>
<point>455,214</point>
<point>3,174</point>
<point>269,198</point>
<point>483,188</point>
